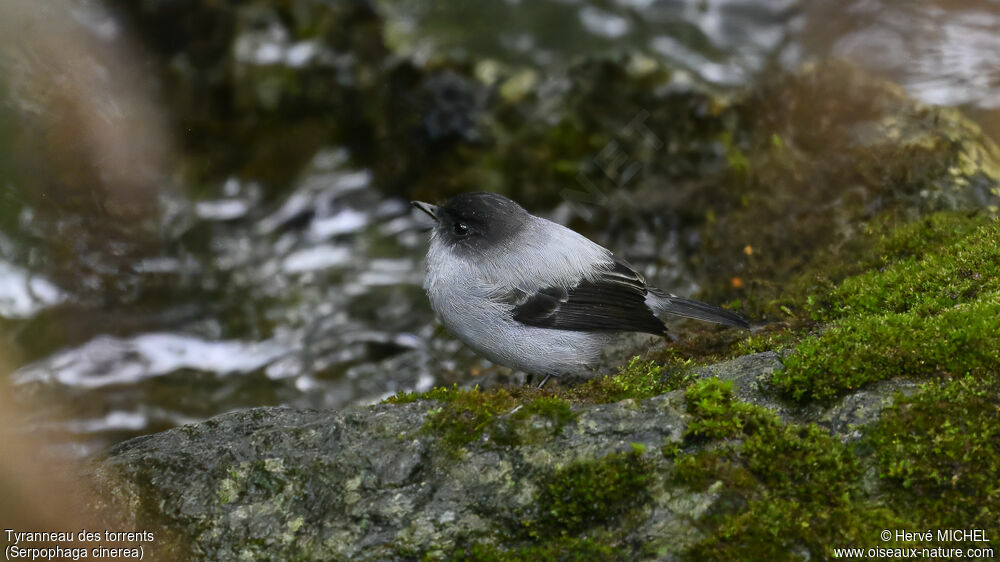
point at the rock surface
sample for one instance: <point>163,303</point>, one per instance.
<point>372,484</point>
<point>363,484</point>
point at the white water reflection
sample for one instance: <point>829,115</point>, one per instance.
<point>316,258</point>
<point>23,294</point>
<point>343,222</point>
<point>222,209</point>
<point>604,23</point>
<point>322,286</point>
<point>107,360</point>
<point>944,57</point>
<point>113,421</point>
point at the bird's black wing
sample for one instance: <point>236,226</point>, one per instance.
<point>615,300</point>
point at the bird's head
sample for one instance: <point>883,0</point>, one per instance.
<point>475,223</point>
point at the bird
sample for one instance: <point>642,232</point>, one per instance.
<point>533,295</point>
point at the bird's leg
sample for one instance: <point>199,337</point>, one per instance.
<point>544,380</point>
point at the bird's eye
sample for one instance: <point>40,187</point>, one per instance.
<point>460,228</point>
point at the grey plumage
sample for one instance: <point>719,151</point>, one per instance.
<point>690,308</point>
<point>533,295</point>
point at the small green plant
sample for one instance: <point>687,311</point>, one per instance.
<point>716,414</point>
<point>637,380</point>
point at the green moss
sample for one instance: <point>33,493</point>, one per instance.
<point>939,450</point>
<point>803,461</point>
<point>782,528</point>
<point>507,415</point>
<point>784,491</point>
<point>552,408</point>
<point>794,491</point>
<point>536,420</point>
<point>857,351</point>
<point>771,340</point>
<point>880,243</point>
<point>589,493</point>
<point>928,305</point>
<point>466,414</point>
<point>440,393</point>
<point>920,273</point>
<point>638,380</point>
<point>932,232</point>
<point>722,463</point>
<point>715,414</point>
<point>671,450</point>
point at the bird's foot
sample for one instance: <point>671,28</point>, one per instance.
<point>544,380</point>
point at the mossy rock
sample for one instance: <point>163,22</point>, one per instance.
<point>938,451</point>
<point>932,311</point>
<point>695,473</point>
<point>377,482</point>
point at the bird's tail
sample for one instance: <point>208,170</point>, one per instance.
<point>690,308</point>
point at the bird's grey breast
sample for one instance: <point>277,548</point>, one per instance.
<point>461,293</point>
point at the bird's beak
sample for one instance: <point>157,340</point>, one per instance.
<point>431,210</point>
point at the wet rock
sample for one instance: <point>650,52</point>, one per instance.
<point>372,483</point>
<point>362,484</point>
<point>750,375</point>
<point>862,408</point>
